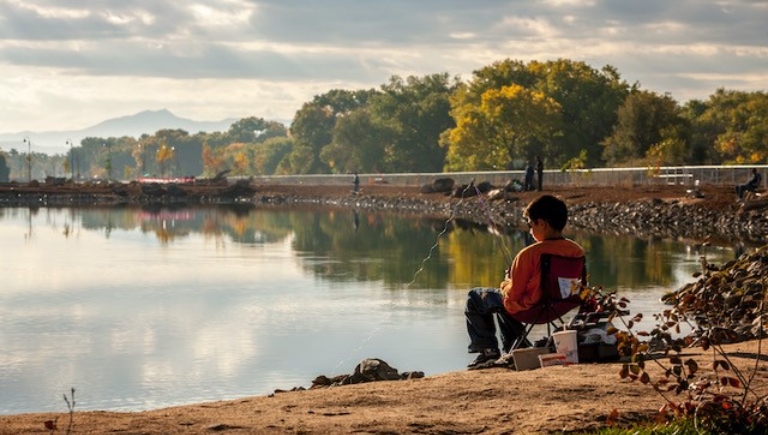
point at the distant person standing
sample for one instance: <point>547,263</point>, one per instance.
<point>528,184</point>
<point>356,184</point>
<point>539,171</point>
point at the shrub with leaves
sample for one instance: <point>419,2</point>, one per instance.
<point>724,306</point>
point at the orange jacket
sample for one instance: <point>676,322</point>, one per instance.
<point>522,288</point>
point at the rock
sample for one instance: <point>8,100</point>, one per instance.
<point>368,370</point>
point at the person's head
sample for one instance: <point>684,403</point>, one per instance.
<point>548,208</point>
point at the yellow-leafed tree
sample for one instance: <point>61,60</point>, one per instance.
<point>510,124</point>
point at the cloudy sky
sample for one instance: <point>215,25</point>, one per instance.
<point>71,64</point>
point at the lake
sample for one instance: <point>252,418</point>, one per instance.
<point>146,308</point>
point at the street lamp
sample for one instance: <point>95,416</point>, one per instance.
<point>29,158</point>
<point>109,161</point>
<point>141,155</point>
<point>71,159</point>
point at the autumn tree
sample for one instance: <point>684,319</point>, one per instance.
<point>507,126</point>
<point>587,101</point>
<point>734,124</point>
<point>213,162</point>
<point>164,156</point>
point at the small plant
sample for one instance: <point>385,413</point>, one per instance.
<point>52,426</point>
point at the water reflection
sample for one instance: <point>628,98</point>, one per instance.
<point>145,307</point>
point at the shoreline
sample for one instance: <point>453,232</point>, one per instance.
<point>642,211</point>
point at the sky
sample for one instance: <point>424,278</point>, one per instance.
<point>67,65</point>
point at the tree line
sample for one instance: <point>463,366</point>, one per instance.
<point>568,113</point>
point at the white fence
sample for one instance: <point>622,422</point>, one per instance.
<point>674,175</point>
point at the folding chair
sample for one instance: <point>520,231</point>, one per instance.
<point>562,279</point>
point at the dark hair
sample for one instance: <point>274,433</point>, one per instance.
<point>550,208</point>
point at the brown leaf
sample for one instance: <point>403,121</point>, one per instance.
<point>693,367</point>
<point>50,425</point>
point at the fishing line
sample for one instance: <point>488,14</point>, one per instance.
<point>448,221</point>
<point>446,224</point>
<point>451,218</point>
<point>491,224</point>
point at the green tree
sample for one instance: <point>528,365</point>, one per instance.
<point>312,127</point>
<point>5,171</point>
<point>649,125</point>
<point>358,144</point>
<point>412,114</point>
<point>253,129</point>
<point>269,155</point>
<point>589,100</point>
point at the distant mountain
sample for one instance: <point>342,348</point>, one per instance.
<point>146,122</point>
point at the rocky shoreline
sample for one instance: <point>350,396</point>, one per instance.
<point>649,217</point>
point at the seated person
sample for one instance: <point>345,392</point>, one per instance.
<point>751,185</point>
<point>546,217</point>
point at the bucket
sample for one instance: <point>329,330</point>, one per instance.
<point>567,344</point>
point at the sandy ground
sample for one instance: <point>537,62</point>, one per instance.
<point>497,401</point>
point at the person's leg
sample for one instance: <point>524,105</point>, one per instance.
<point>482,303</point>
<point>511,330</point>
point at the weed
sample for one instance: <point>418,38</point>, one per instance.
<point>52,425</point>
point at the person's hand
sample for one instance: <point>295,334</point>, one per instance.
<point>505,286</point>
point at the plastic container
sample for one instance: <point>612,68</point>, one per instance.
<point>567,343</point>
<point>552,359</point>
<point>528,359</point>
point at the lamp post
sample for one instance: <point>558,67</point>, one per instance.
<point>109,161</point>
<point>71,159</point>
<point>29,158</point>
<point>141,155</point>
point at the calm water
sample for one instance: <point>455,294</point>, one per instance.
<point>140,309</point>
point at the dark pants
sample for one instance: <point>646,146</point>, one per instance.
<point>540,179</point>
<point>742,188</point>
<point>483,304</point>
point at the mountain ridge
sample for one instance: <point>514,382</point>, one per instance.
<point>144,122</point>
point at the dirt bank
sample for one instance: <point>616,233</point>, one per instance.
<point>494,401</point>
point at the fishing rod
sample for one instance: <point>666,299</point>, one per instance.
<point>491,224</point>
<point>451,218</point>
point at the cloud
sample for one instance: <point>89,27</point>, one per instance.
<point>59,53</point>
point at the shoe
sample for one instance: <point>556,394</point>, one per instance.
<point>505,360</point>
<point>484,359</point>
